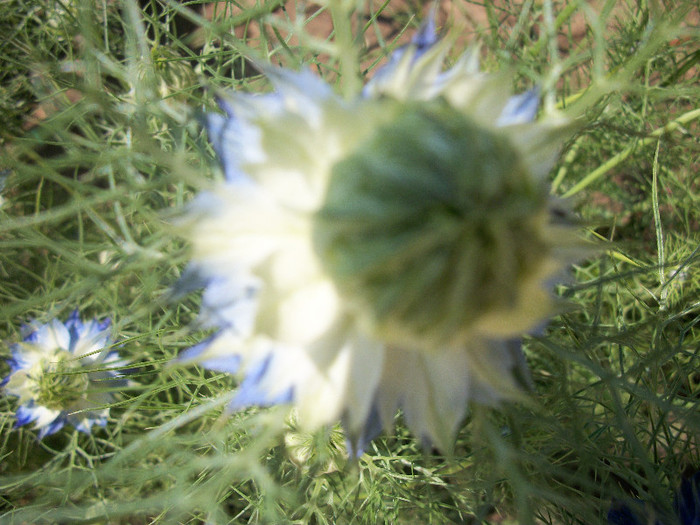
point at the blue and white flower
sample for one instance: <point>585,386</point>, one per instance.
<point>61,374</point>
<point>381,253</point>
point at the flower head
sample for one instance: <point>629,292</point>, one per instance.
<point>381,253</point>
<point>53,373</point>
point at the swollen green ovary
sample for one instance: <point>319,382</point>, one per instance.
<point>429,224</point>
<point>57,387</point>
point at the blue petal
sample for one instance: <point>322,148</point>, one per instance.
<point>228,303</point>
<point>4,174</point>
<point>97,332</point>
<point>53,335</point>
<point>227,108</point>
<point>193,352</point>
<point>425,38</point>
<point>53,427</point>
<point>111,356</point>
<point>426,35</point>
<point>687,503</point>
<point>192,279</point>
<point>17,361</point>
<point>230,363</point>
<point>94,333</point>
<point>520,109</point>
<point>75,328</point>
<point>302,83</point>
<point>85,425</point>
<point>217,128</point>
<point>116,378</point>
<point>621,514</point>
<point>251,393</point>
<point>227,135</point>
<point>29,333</point>
<point>421,42</point>
<point>25,414</point>
<point>520,370</point>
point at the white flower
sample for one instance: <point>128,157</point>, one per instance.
<point>54,374</point>
<point>381,253</point>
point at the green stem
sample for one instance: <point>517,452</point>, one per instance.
<point>622,155</point>
<point>341,13</point>
<point>658,226</point>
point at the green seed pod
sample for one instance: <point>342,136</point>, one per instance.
<point>430,224</point>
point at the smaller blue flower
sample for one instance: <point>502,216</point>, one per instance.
<point>686,506</point>
<point>58,373</point>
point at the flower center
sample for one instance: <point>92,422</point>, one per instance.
<point>429,224</point>
<point>61,383</point>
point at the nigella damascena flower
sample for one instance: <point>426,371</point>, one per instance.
<point>59,374</point>
<point>380,253</point>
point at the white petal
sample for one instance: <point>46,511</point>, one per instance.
<point>364,372</point>
<point>93,339</point>
<point>411,74</point>
<point>482,97</point>
<point>231,303</point>
<point>432,389</point>
<point>540,143</point>
<point>52,336</point>
<point>221,347</point>
<point>27,354</point>
<point>328,387</point>
<point>44,415</point>
<point>302,92</point>
<point>302,316</point>
<point>21,385</point>
<point>520,109</point>
<point>240,228</point>
<point>236,142</point>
